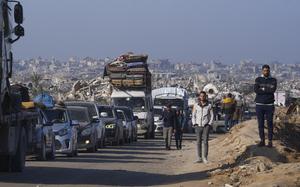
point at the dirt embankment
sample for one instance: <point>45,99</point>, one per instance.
<point>236,160</point>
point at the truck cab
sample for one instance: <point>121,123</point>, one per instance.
<point>177,97</point>
<point>16,124</point>
<point>141,104</point>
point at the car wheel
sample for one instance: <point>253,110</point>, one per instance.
<point>117,142</point>
<point>91,149</point>
<point>4,163</point>
<point>76,152</point>
<point>103,142</point>
<point>51,155</point>
<point>42,154</point>
<point>17,163</point>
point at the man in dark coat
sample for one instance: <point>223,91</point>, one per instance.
<point>265,87</point>
<point>169,119</point>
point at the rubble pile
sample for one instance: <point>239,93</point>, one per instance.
<point>287,125</point>
<point>244,164</point>
<point>98,89</point>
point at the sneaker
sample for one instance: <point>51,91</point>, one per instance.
<point>261,144</point>
<point>205,161</point>
<point>198,161</point>
<point>270,144</point>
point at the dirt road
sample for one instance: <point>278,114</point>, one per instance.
<point>139,164</point>
<point>234,159</point>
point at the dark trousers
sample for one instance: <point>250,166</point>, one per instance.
<point>178,138</point>
<point>228,121</point>
<point>262,112</point>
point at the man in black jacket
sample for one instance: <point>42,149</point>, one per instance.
<point>265,87</point>
<point>169,119</point>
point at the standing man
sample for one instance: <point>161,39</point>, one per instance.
<point>180,121</point>
<point>202,119</point>
<point>265,87</point>
<point>169,119</point>
<point>228,108</point>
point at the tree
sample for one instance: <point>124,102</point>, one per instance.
<point>37,87</point>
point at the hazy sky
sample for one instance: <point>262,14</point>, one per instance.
<point>189,30</point>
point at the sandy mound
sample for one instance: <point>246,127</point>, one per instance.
<point>245,164</point>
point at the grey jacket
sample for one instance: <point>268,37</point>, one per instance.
<point>202,115</point>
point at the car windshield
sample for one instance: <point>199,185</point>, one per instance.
<point>56,116</point>
<point>107,110</point>
<point>137,104</point>
<point>165,102</point>
<point>79,115</point>
<point>91,107</point>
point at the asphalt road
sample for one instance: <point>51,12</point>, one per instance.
<point>142,163</point>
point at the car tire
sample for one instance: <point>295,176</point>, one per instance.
<point>17,163</point>
<point>117,142</point>
<point>42,153</point>
<point>76,152</point>
<point>104,142</point>
<point>51,155</point>
<point>4,163</point>
<point>93,149</point>
<point>152,134</point>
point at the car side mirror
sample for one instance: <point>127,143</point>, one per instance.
<point>48,124</point>
<point>18,13</point>
<point>104,114</point>
<point>74,123</point>
<point>95,119</point>
<point>19,31</point>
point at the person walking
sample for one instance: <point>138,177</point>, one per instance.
<point>202,119</point>
<point>179,128</point>
<point>228,108</point>
<point>169,119</point>
<point>237,116</point>
<point>265,87</point>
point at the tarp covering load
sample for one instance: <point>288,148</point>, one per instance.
<point>45,99</point>
<point>129,70</point>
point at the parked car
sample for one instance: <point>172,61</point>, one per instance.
<point>43,145</point>
<point>158,122</point>
<point>94,115</point>
<point>127,128</point>
<point>87,132</point>
<point>129,122</point>
<point>65,130</point>
<point>113,125</point>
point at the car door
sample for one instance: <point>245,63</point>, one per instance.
<point>74,130</point>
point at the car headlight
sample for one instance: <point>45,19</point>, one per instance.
<point>110,126</point>
<point>142,122</point>
<point>87,131</point>
<point>63,132</point>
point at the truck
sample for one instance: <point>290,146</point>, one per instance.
<point>16,123</point>
<point>131,84</point>
<point>177,97</point>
